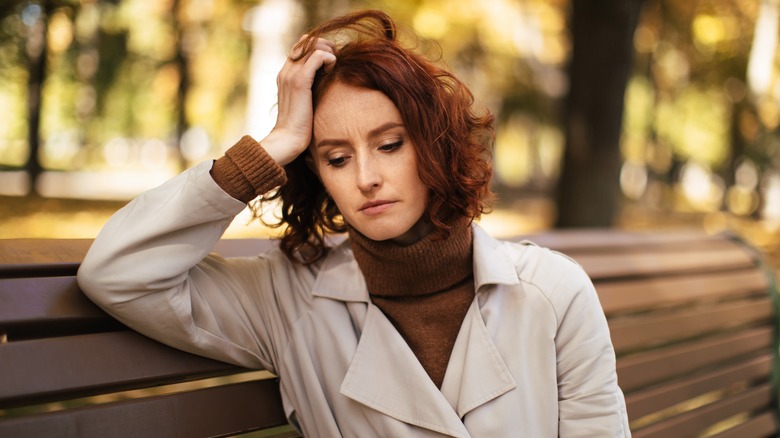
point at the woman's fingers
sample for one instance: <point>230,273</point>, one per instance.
<point>303,43</point>
<point>292,132</point>
<point>299,70</point>
<point>318,59</point>
<point>298,48</point>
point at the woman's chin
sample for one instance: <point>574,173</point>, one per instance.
<point>399,235</point>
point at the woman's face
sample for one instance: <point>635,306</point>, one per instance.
<point>368,165</point>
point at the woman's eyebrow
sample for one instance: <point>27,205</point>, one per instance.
<point>384,127</point>
<point>372,133</point>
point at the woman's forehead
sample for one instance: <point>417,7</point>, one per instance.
<point>346,107</point>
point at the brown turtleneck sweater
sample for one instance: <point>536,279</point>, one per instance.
<point>424,289</point>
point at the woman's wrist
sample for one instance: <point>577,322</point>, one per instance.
<point>278,146</point>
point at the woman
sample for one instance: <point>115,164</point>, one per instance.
<point>419,324</point>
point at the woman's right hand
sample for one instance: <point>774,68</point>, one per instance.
<point>292,133</point>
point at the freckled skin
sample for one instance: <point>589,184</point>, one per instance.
<point>366,161</point>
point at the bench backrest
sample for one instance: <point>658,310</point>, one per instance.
<point>693,322</point>
<point>58,348</point>
<point>691,316</point>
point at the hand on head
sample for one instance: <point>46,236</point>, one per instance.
<point>292,133</point>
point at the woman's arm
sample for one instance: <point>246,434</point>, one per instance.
<point>149,266</point>
<point>590,403</point>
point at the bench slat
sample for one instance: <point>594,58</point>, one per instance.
<point>610,240</point>
<point>16,254</point>
<point>648,293</point>
<point>47,307</point>
<point>657,398</point>
<point>648,368</point>
<point>75,366</point>
<point>603,266</point>
<point>631,333</point>
<point>223,410</point>
<point>42,251</point>
<point>760,426</point>
<point>692,422</point>
<point>59,257</point>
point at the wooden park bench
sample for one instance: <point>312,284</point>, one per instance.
<point>692,319</point>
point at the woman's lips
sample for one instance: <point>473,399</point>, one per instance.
<point>373,208</point>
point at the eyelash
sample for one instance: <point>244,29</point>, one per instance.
<point>388,148</point>
<point>337,162</point>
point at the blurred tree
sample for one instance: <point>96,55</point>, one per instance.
<point>36,59</point>
<point>35,16</point>
<point>144,85</point>
<point>694,103</point>
<point>181,60</point>
<point>600,65</point>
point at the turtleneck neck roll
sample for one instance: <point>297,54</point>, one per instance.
<point>424,289</point>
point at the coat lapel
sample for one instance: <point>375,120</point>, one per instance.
<point>384,375</point>
<point>476,372</point>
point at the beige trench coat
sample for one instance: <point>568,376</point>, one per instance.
<point>533,357</point>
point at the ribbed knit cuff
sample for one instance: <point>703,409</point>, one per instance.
<point>247,171</point>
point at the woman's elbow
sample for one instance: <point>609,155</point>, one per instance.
<point>93,280</point>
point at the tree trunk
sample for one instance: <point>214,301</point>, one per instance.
<point>36,55</point>
<point>602,55</point>
<point>181,60</point>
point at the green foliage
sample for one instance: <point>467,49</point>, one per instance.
<point>696,125</point>
<point>115,70</point>
<point>127,72</point>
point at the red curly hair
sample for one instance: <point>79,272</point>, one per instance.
<point>452,141</point>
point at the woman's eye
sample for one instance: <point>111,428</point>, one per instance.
<point>337,161</point>
<point>391,146</point>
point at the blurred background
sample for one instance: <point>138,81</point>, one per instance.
<point>611,113</point>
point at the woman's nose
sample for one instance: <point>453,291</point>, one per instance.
<point>368,175</point>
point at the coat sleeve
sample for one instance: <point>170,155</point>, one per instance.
<point>590,403</point>
<point>150,268</point>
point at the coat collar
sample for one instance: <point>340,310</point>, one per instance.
<point>340,277</point>
<point>492,265</point>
